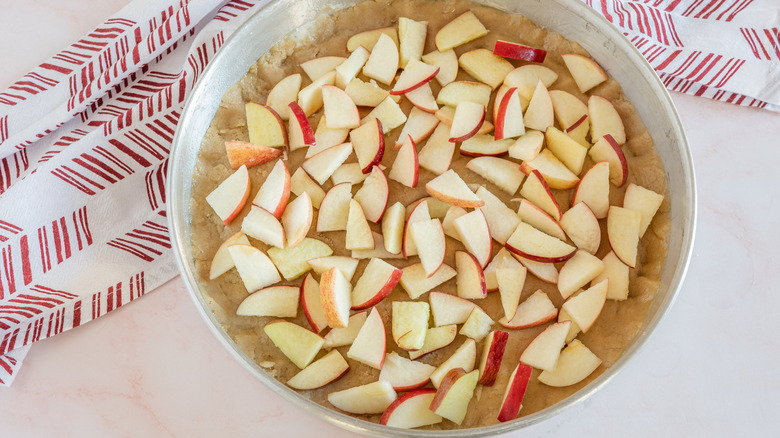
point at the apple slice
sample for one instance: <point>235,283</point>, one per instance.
<point>471,277</point>
<point>278,301</point>
<point>358,231</point>
<point>539,199</point>
<point>617,273</point>
<point>296,219</point>
<point>585,71</point>
<point>339,337</point>
<point>310,96</point>
<point>369,38</point>
<point>283,93</point>
<point>539,114</point>
<point>502,259</point>
<point>347,265</point>
<point>645,201</point>
<point>515,392</point>
<point>429,239</point>
<point>411,410</point>
<point>378,280</point>
<point>411,38</point>
<point>393,228</point>
<point>410,323</point>
<point>510,286</point>
<point>477,325</point>
<point>416,282</point>
<point>389,113</point>
<point>325,137</point>
<point>448,309</point>
<point>419,125</point>
<point>623,226</point>
<point>436,208</point>
<point>509,116</point>
<point>452,399</point>
<point>482,145</point>
<point>369,144</point>
<point>464,91</point>
<point>436,338</point>
<point>531,243</point>
<point>311,304</point>
<point>365,93</point>
<point>275,191</point>
<point>292,262</point>
<point>255,268</point>
<point>318,67</point>
<point>582,227</point>
<point>334,209</point>
<point>466,27</point>
<point>526,78</point>
<point>383,61</point>
<point>535,310</point>
<point>546,272</point>
<point>604,120</point>
<point>527,146</point>
<point>349,69</point>
<point>571,114</point>
<point>574,329</point>
<point>464,357</point>
<point>505,174</point>
<point>436,155</point>
<point>340,110</point>
<point>263,226</point>
<point>415,75</point>
<point>544,349</point>
<point>222,262</point>
<point>447,62</point>
<point>406,167</point>
<point>241,153</point>
<point>350,173</point>
<point>373,195</point>
<point>450,188</point>
<point>230,196</point>
<point>593,190</point>
<point>448,223</point>
<point>326,369</point>
<point>467,121</point>
<point>607,149</point>
<point>377,251</point>
<point>301,183</point>
<point>404,374</point>
<point>422,98</point>
<point>492,354</point>
<point>474,232</point>
<point>577,272</point>
<point>420,213</point>
<point>336,297</point>
<point>501,220</point>
<point>586,306</point>
<point>370,344</point>
<point>517,51</point>
<point>371,398</point>
<point>536,217</point>
<point>297,343</point>
<point>557,175</point>
<point>575,363</point>
<point>566,149</point>
<point>485,67</point>
<point>265,126</point>
<point>322,165</point>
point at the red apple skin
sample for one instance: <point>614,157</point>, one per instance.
<point>537,258</point>
<point>285,194</point>
<point>413,387</point>
<point>520,52</point>
<point>579,122</point>
<point>495,355</point>
<point>468,153</point>
<point>303,121</point>
<point>472,133</point>
<point>239,206</point>
<point>450,378</point>
<point>415,86</point>
<point>528,170</point>
<point>394,278</point>
<point>380,152</point>
<point>305,306</point>
<point>500,121</point>
<point>514,399</point>
<point>621,157</point>
<point>549,317</point>
<point>413,393</point>
<point>328,382</point>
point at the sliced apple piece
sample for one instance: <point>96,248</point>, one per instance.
<point>607,149</point>
<point>339,337</point>
<point>422,98</point>
<point>531,243</point>
<point>383,61</point>
<point>582,227</point>
<point>278,301</point>
<point>482,145</point>
<point>566,149</point>
<point>501,220</point>
<point>283,93</point>
<point>378,280</point>
<point>502,259</point>
<point>535,310</point>
<point>485,67</point>
<point>464,357</point>
<point>477,325</point>
<point>515,392</point>
<point>371,398</point>
<point>571,114</point>
<point>585,71</point>
<point>370,344</point>
<point>539,114</point>
<point>350,173</point>
<point>518,51</point>
<point>310,96</point>
<point>325,137</point>
<point>544,349</point>
<point>452,399</point>
<point>447,62</point>
<point>414,75</point>
<point>369,144</point>
<point>255,268</point>
<point>349,69</point>
<point>334,209</point>
<point>404,374</point>
<point>617,273</point>
<point>393,228</point>
<point>436,338</point>
<point>358,231</point>
<point>605,120</point>
<point>510,286</point>
<point>526,78</point>
<point>301,183</point>
<point>369,38</point>
<point>322,165</point>
<point>265,126</point>
<point>340,111</point>
<point>377,251</point>
<point>411,40</point>
<point>577,272</point>
<point>471,277</point>
<point>431,246</point>
<point>318,67</point>
<point>411,410</point>
<point>292,262</point>
<point>448,309</point>
<point>645,201</point>
<point>241,153</point>
<point>436,208</point>
<point>593,190</point>
<point>474,233</point>
<point>464,91</point>
<point>365,93</point>
<point>536,217</point>
<point>416,282</point>
<point>527,146</point>
<point>505,174</point>
<point>574,329</point>
<point>263,226</point>
<point>296,219</point>
<point>410,323</point>
<point>230,196</point>
<point>222,262</point>
<point>509,116</point>
<point>311,304</point>
<point>406,167</point>
<point>336,297</point>
<point>492,355</point>
<point>297,343</point>
<point>546,272</point>
<point>448,223</point>
<point>347,265</point>
<point>575,363</point>
<point>466,27</point>
<point>420,213</point>
<point>419,126</point>
<point>586,306</point>
<point>275,191</point>
<point>389,113</point>
<point>373,195</point>
<point>326,369</point>
<point>467,121</point>
<point>623,226</point>
<point>539,197</point>
<point>555,173</point>
<point>436,155</point>
<point>450,188</point>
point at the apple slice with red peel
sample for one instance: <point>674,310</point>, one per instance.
<point>623,226</point>
<point>369,144</point>
<point>448,309</point>
<point>526,78</point>
<point>527,146</point>
<point>334,209</point>
<point>585,307</point>
<point>464,357</point>
<point>371,398</point>
<point>529,213</point>
<point>505,174</point>
<point>501,220</point>
<point>431,246</point>
<point>383,62</point>
<point>448,223</point>
<point>546,272</point>
<point>585,71</point>
<point>241,153</point>
<point>366,93</point>
<point>531,243</point>
<point>393,228</point>
<point>411,410</point>
<point>450,188</point>
<point>420,213</point>
<point>607,149</point>
<point>275,191</point>
<point>325,137</point>
<point>389,113</point>
<point>404,374</point>
<point>349,69</point>
<point>566,149</point>
<point>582,227</point>
<point>370,344</point>
<point>538,194</point>
<point>492,355</point>
<point>575,363</point>
<point>322,165</point>
<point>447,61</point>
<point>278,301</point>
<point>265,126</point>
<point>230,196</point>
<point>369,38</point>
<point>336,297</point>
<point>502,259</point>
<point>261,225</point>
<point>311,304</point>
<point>557,175</point>
<point>445,115</point>
<point>464,91</point>
<point>325,370</point>
<point>300,132</point>
<point>222,262</point>
<point>509,116</point>
<point>436,338</point>
<point>510,286</point>
<point>422,98</point>
<point>297,343</point>
<point>377,251</point>
<point>570,111</point>
<point>579,130</point>
<point>340,110</point>
<point>485,67</point>
<point>436,154</point>
<point>475,235</point>
<point>373,195</point>
<point>301,183</point>
<point>283,93</point>
<point>416,282</point>
<point>593,189</point>
<point>605,120</point>
<point>535,310</point>
<point>350,173</point>
<point>410,323</point>
<point>477,325</point>
<point>347,265</point>
<point>467,121</point>
<point>515,392</point>
<point>318,67</point>
<point>436,208</point>
<point>296,219</point>
<point>339,337</point>
<point>617,273</point>
<point>577,272</point>
<point>378,280</point>
<point>517,51</point>
<point>358,231</point>
<point>471,278</point>
<point>255,268</point>
<point>406,167</point>
<point>482,145</point>
<point>539,114</point>
<point>414,75</point>
<point>419,125</point>
<point>544,349</point>
<point>411,40</point>
<point>466,27</point>
<point>453,396</point>
<point>291,262</point>
<point>645,201</point>
<point>310,96</point>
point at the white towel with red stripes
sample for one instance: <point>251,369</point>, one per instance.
<point>85,136</point>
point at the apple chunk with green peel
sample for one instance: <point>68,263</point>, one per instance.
<point>435,338</point>
<point>605,120</point>
<point>544,349</point>
<point>517,51</point>
<point>623,226</point>
<point>369,345</point>
<point>466,27</point>
<point>577,272</point>
<point>593,189</point>
<point>255,268</point>
<point>277,301</point>
<point>607,149</point>
<point>485,67</point>
<point>377,281</point>
<point>371,398</point>
<point>297,343</point>
<point>383,62</point>
<point>405,374</point>
<point>492,355</point>
<point>585,71</point>
<point>326,369</point>
<point>291,261</point>
<point>586,306</point>
<point>645,201</point>
<point>336,297</point>
<point>474,233</point>
<point>410,323</point>
<point>450,188</point>
<point>341,336</point>
<point>515,392</point>
<point>393,223</point>
<point>453,396</point>
<point>531,243</point>
<point>431,245</point>
<point>222,262</point>
<point>535,310</point>
<point>505,174</point>
<point>231,195</point>
<point>471,277</point>
<point>411,410</point>
<point>311,304</point>
<point>582,227</point>
<point>575,363</point>
<point>464,357</point>
<point>373,195</point>
<point>241,153</point>
<point>265,126</point>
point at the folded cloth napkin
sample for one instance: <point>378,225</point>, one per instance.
<point>85,136</point>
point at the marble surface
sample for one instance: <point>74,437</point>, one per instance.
<point>153,369</point>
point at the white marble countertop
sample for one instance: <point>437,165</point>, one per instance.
<point>153,369</point>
